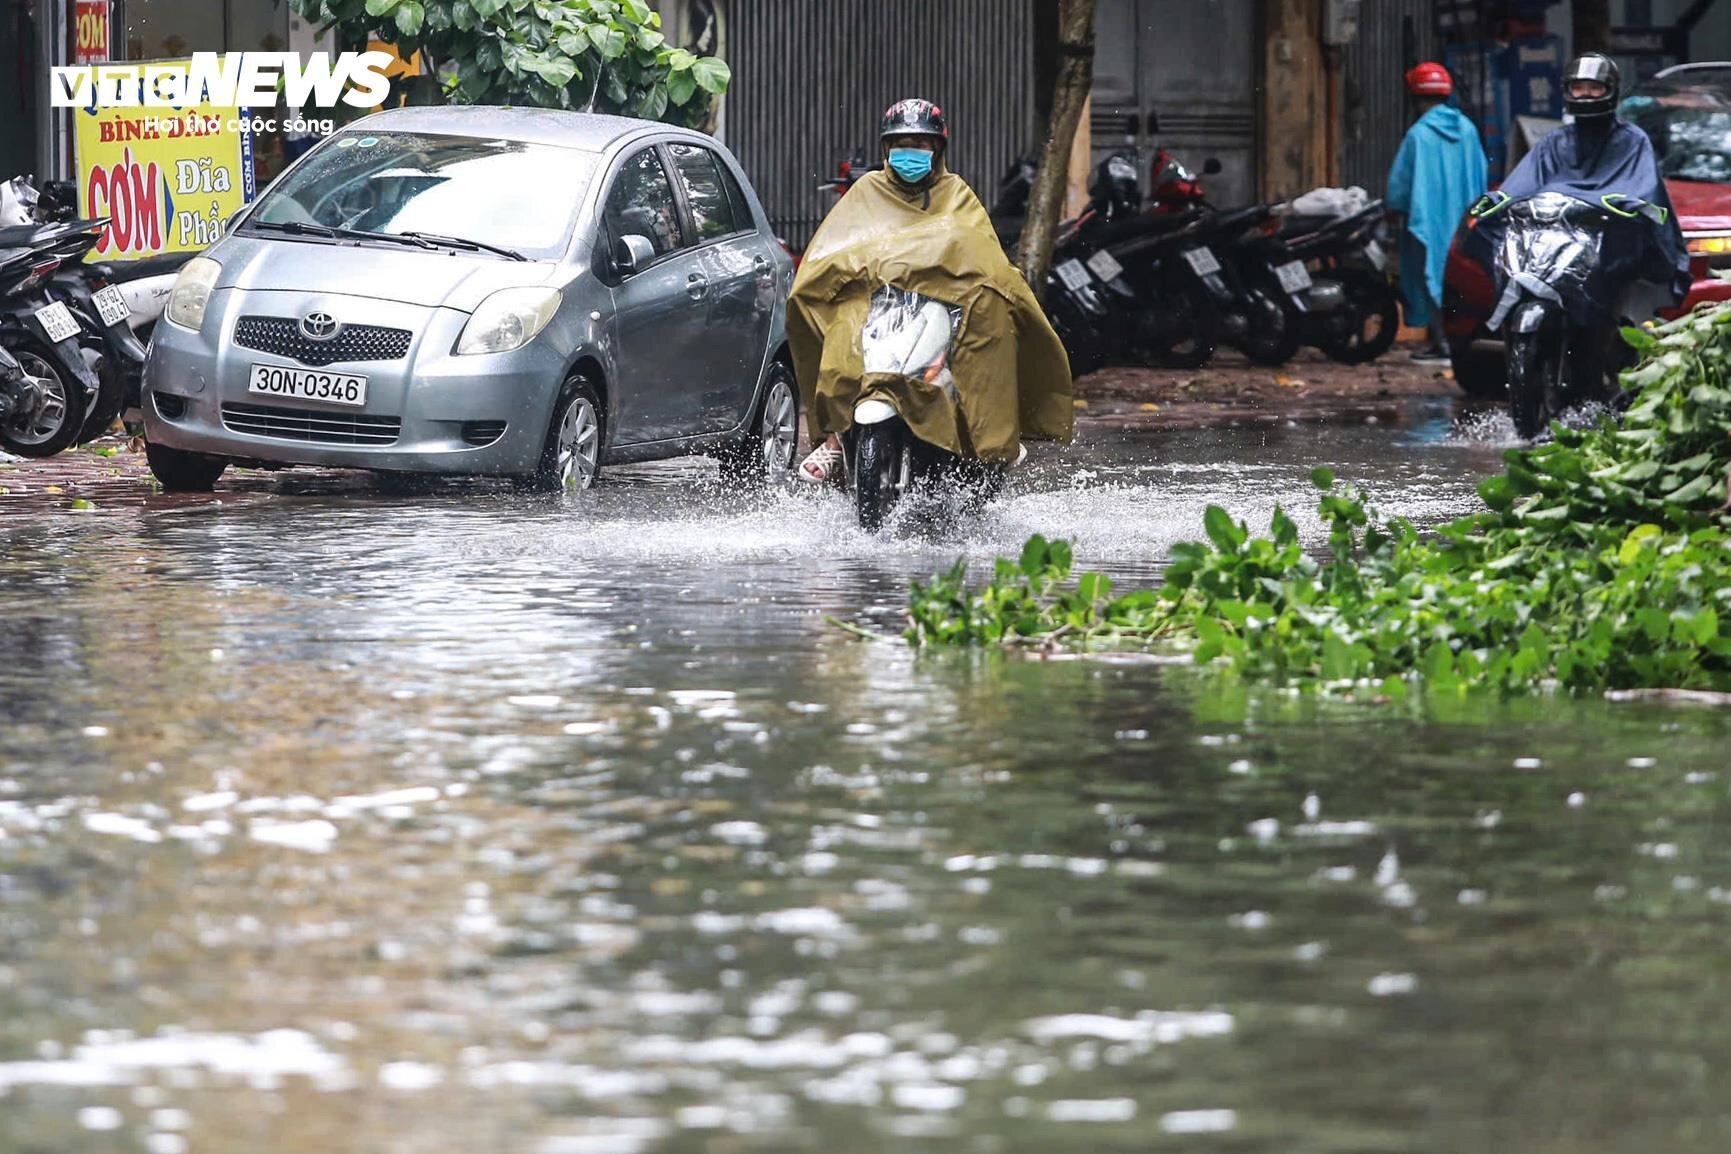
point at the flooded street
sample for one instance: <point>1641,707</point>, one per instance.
<point>341,818</point>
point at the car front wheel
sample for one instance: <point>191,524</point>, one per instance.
<point>766,453</point>
<point>179,471</point>
<point>571,457</point>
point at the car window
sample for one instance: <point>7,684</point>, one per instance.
<point>641,203</point>
<point>706,190</point>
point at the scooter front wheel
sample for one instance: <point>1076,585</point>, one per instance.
<point>1536,362</point>
<point>878,470</point>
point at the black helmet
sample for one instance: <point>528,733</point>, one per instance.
<point>1592,66</point>
<point>1116,186</point>
<point>914,118</point>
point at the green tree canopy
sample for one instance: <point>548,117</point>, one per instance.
<point>591,55</point>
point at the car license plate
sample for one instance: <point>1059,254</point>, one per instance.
<point>307,385</point>
<point>111,305</point>
<point>1072,274</point>
<point>1202,261</point>
<point>1294,277</point>
<point>1105,266</point>
<point>1374,253</point>
<point>56,320</point>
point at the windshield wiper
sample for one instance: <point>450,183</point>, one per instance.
<point>464,242</point>
<point>292,227</point>
<point>418,239</point>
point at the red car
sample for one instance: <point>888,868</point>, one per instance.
<point>1687,112</point>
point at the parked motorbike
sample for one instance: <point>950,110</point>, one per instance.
<point>1553,264</point>
<point>46,411</point>
<point>908,335</point>
<point>1346,251</point>
<point>1346,306</point>
<point>96,291</point>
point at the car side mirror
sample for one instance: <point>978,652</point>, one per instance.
<point>1212,166</point>
<point>631,253</point>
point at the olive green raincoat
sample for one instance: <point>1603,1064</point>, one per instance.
<point>1011,375</point>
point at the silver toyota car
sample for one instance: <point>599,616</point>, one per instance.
<point>508,292</point>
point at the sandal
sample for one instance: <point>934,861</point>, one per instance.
<point>821,465</point>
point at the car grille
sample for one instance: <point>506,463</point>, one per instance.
<point>282,337</point>
<point>312,425</point>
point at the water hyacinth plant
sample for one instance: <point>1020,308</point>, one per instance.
<point>1601,560</point>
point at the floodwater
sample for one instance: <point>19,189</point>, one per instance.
<point>339,819</point>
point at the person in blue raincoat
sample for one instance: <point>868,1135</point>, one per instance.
<point>1437,175</point>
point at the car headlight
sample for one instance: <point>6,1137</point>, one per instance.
<point>509,319</point>
<point>191,292</point>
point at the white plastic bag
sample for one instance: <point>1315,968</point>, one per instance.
<point>1335,202</point>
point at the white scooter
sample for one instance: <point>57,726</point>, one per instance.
<point>907,335</point>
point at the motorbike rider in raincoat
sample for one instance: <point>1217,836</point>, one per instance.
<point>1599,158</point>
<point>917,227</point>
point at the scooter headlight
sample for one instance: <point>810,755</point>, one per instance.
<point>509,319</point>
<point>190,295</point>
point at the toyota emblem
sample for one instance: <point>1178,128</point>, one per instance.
<point>319,326</point>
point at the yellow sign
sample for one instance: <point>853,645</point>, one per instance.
<point>167,178</point>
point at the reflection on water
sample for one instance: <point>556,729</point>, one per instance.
<point>460,820</point>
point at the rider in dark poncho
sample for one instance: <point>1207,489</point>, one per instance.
<point>1596,154</point>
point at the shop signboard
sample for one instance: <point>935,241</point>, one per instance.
<point>167,177</point>
<point>90,31</point>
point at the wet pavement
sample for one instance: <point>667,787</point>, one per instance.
<point>346,819</point>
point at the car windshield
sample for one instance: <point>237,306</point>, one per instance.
<point>1690,127</point>
<point>502,193</point>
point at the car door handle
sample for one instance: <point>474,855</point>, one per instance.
<point>765,271</point>
<point>696,285</point>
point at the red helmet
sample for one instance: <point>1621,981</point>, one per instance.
<point>1430,79</point>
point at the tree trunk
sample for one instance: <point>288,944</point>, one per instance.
<point>1592,19</point>
<point>1069,95</point>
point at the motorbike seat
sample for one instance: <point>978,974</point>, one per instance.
<point>1142,226</point>
<point>121,272</point>
<point>22,235</point>
<point>1236,219</point>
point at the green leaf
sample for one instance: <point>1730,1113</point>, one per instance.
<point>556,70</point>
<point>1694,490</point>
<point>410,16</point>
<point>681,60</point>
<point>1639,339</point>
<point>380,7</point>
<point>572,42</point>
<point>712,74</point>
<point>608,41</point>
<point>681,88</point>
<point>1337,659</point>
<point>1322,478</point>
<point>1034,554</point>
<point>652,103</point>
<point>1222,530</point>
<point>1636,543</point>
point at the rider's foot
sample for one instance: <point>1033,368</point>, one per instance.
<point>1432,355</point>
<point>823,464</point>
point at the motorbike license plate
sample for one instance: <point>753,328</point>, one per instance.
<point>111,305</point>
<point>1373,252</point>
<point>1105,266</point>
<point>307,385</point>
<point>1294,277</point>
<point>56,320</point>
<point>1072,274</point>
<point>1202,261</point>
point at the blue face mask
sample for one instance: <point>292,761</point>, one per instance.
<point>911,164</point>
